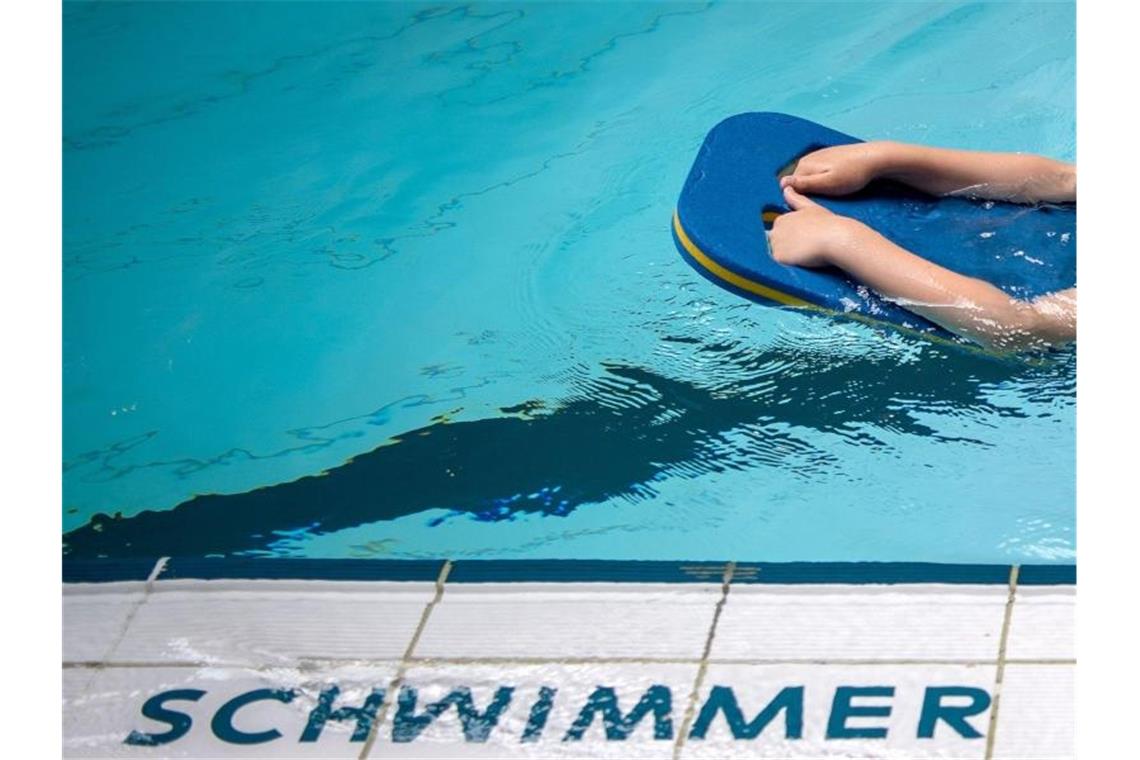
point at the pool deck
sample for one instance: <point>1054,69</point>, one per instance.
<point>556,658</point>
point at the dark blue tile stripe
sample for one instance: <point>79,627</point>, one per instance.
<point>106,570</point>
<point>868,572</point>
<point>564,571</point>
<point>302,569</point>
<point>584,571</point>
<point>1047,575</point>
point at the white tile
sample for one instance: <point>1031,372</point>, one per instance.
<point>925,622</point>
<point>444,737</point>
<point>273,622</point>
<point>76,683</point>
<point>520,620</point>
<point>1042,624</point>
<point>97,724</point>
<point>754,686</point>
<point>1036,716</point>
<point>95,616</point>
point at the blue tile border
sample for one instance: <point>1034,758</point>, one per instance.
<point>208,568</point>
<point>868,573</point>
<point>561,571</point>
<point>106,570</point>
<point>1047,575</point>
<point>584,571</point>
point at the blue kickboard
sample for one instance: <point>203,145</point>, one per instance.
<point>1024,250</point>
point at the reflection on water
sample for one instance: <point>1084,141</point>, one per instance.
<point>623,430</point>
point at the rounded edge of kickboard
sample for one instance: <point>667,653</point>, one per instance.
<point>766,295</point>
<point>725,276</point>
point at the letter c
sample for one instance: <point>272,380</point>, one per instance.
<point>223,722</point>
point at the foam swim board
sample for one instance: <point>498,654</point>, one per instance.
<point>734,186</point>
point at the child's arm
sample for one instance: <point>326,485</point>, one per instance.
<point>939,171</point>
<point>812,236</point>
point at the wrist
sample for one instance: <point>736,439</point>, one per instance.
<point>1067,191</point>
<point>886,157</point>
<point>847,238</point>
<point>908,164</point>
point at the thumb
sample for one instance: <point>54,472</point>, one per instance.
<point>796,201</point>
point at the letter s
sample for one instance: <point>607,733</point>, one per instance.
<point>179,722</point>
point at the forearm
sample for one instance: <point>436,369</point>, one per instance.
<point>963,305</point>
<point>997,176</point>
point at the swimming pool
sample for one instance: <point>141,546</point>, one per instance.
<point>425,250</point>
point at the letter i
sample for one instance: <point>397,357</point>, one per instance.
<point>538,714</point>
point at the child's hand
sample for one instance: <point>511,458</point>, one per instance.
<point>838,170</point>
<point>809,235</point>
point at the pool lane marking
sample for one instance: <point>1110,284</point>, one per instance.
<point>159,566</point>
<point>398,679</point>
<point>691,707</point>
<point>1000,674</point>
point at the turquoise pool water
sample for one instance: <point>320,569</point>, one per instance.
<point>425,250</point>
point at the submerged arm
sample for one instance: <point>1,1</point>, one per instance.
<point>963,305</point>
<point>813,236</point>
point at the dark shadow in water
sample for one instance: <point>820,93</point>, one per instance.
<point>624,430</point>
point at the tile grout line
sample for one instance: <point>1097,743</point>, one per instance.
<point>1000,673</point>
<point>691,707</point>
<point>401,670</point>
<point>159,566</point>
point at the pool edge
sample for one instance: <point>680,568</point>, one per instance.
<point>560,571</point>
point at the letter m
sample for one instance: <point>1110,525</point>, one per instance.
<point>722,699</point>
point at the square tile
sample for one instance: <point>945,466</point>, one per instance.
<point>927,622</point>
<point>539,707</point>
<point>273,622</point>
<point>569,620</point>
<point>1042,624</point>
<point>801,728</point>
<point>1037,713</point>
<point>95,617</point>
<point>77,682</point>
<point>98,723</point>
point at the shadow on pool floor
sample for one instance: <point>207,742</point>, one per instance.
<point>627,429</point>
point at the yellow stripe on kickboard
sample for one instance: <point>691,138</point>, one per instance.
<point>734,279</point>
<point>750,286</point>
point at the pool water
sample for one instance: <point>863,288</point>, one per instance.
<point>397,280</point>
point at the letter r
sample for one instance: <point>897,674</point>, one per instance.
<point>933,710</point>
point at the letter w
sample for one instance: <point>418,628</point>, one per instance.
<point>476,726</point>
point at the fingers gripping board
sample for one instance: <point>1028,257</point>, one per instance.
<point>719,226</point>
